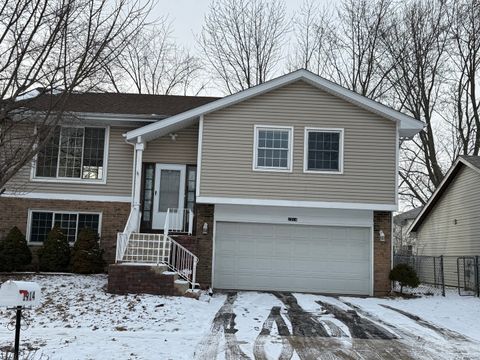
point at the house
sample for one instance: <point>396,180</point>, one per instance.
<point>449,224</point>
<point>289,185</point>
<point>404,241</point>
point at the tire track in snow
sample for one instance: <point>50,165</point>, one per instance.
<point>259,345</point>
<point>446,333</point>
<point>223,326</point>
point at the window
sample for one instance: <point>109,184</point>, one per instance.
<point>73,153</point>
<point>273,148</point>
<point>71,223</point>
<point>191,185</point>
<point>323,150</point>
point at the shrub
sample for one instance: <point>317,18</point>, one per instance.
<point>54,255</point>
<point>15,254</point>
<point>405,275</point>
<point>87,257</point>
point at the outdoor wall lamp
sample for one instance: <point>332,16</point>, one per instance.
<point>382,235</point>
<point>173,136</point>
<point>205,228</point>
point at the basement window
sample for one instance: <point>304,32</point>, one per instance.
<point>71,223</point>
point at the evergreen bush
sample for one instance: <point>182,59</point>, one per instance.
<point>15,255</point>
<point>87,257</point>
<point>54,255</point>
<point>405,275</point>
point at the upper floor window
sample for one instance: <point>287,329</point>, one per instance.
<point>273,148</point>
<point>323,150</point>
<point>73,153</point>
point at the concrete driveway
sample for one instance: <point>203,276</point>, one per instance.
<point>286,326</point>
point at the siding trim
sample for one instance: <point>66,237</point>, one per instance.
<point>199,156</point>
<point>76,197</point>
<point>293,203</point>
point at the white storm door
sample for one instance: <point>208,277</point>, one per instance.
<point>169,193</point>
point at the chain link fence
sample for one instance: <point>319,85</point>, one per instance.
<point>441,274</point>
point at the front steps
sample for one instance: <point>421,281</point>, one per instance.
<point>146,279</point>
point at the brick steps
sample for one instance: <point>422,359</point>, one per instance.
<point>146,279</point>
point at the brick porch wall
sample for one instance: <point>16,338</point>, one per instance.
<point>14,212</point>
<point>382,252</point>
<point>201,244</point>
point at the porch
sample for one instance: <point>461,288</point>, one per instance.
<point>153,246</point>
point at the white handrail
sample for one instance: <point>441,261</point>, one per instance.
<point>130,227</point>
<point>157,249</point>
<point>178,221</point>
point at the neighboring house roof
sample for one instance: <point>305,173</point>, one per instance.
<point>408,126</point>
<point>407,215</point>
<point>119,103</point>
<point>471,161</point>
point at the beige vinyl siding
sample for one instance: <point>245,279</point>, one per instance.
<point>119,174</point>
<point>369,149</point>
<point>181,151</point>
<point>438,234</point>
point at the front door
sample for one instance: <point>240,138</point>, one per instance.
<point>169,192</point>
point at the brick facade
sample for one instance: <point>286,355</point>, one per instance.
<point>141,279</point>
<point>382,252</point>
<point>201,244</point>
<point>14,212</point>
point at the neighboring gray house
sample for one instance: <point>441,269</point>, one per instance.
<point>449,224</point>
<point>403,241</point>
<point>289,185</point>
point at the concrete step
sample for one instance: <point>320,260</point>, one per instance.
<point>181,286</point>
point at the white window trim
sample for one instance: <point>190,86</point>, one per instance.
<point>29,221</point>
<point>340,155</point>
<point>289,167</point>
<point>68,180</point>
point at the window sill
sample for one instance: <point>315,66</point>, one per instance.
<point>323,172</point>
<point>69,181</point>
<point>272,170</point>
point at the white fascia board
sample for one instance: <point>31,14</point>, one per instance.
<point>439,190</point>
<point>75,197</point>
<point>409,126</point>
<point>294,203</point>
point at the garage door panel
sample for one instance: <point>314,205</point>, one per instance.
<point>292,258</point>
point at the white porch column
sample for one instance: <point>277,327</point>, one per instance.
<point>139,147</point>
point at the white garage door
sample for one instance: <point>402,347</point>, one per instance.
<point>324,259</point>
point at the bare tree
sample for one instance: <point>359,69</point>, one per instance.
<point>313,31</point>
<point>152,63</point>
<point>242,41</point>
<point>417,41</point>
<point>345,46</point>
<point>53,46</point>
<point>465,55</point>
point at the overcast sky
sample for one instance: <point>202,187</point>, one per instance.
<point>187,16</point>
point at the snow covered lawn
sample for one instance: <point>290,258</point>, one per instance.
<point>79,320</point>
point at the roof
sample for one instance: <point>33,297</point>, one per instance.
<point>407,215</point>
<point>408,126</point>
<point>471,161</point>
<point>121,103</point>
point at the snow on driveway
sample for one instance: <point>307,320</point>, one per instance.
<point>79,320</point>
